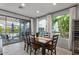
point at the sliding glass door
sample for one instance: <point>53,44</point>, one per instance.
<point>16,29</point>
<point>2,28</point>
<point>25,27</point>
<point>12,29</point>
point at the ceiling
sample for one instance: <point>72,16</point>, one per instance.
<point>31,8</point>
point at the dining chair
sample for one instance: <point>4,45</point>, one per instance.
<point>24,39</point>
<point>34,45</point>
<point>7,37</point>
<point>46,36</point>
<point>51,45</point>
<point>26,42</point>
<point>37,34</point>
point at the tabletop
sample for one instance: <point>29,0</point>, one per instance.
<point>42,39</point>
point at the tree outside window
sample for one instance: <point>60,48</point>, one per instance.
<point>61,24</point>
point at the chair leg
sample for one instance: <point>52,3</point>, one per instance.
<point>48,50</point>
<point>35,51</point>
<point>24,46</point>
<point>30,50</point>
<point>51,52</point>
<point>55,52</point>
<point>27,47</point>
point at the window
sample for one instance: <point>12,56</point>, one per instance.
<point>60,24</point>
<point>42,24</point>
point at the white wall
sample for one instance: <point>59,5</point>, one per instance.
<point>35,25</point>
<point>77,12</point>
<point>1,48</point>
<point>49,25</point>
<point>73,16</point>
<point>32,26</point>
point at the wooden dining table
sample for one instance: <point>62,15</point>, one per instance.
<point>42,41</point>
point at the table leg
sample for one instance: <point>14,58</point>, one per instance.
<point>43,50</point>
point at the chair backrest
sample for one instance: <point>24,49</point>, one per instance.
<point>37,34</point>
<point>27,39</point>
<point>54,41</point>
<point>24,39</point>
<point>7,37</point>
<point>46,36</point>
<point>32,39</point>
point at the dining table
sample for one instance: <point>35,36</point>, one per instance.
<point>42,41</point>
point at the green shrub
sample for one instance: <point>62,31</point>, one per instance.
<point>63,24</point>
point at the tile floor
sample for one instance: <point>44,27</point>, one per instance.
<point>17,49</point>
